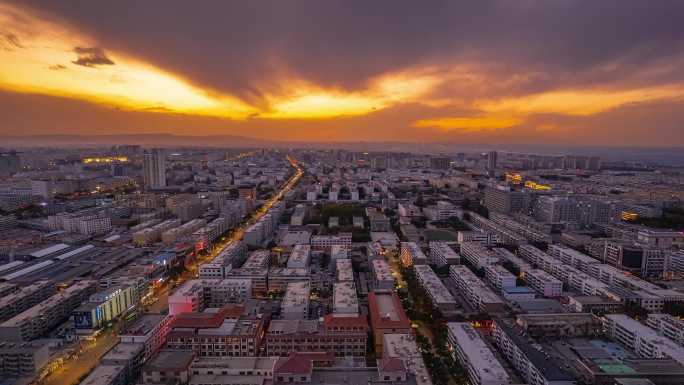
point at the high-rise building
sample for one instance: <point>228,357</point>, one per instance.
<point>502,199</point>
<point>440,162</point>
<point>491,160</point>
<point>155,169</point>
<point>9,163</point>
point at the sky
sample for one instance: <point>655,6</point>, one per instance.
<point>570,72</point>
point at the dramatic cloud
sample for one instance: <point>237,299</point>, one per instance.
<point>91,57</point>
<point>390,69</point>
<point>9,41</point>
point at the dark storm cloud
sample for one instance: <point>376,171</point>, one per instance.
<point>248,47</point>
<point>91,57</point>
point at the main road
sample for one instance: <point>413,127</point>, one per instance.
<point>69,371</point>
<point>191,271</point>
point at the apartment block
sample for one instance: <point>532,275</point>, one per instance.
<point>382,274</point>
<point>435,288</point>
<point>475,355</point>
<point>219,334</point>
<point>324,242</point>
<point>668,326</point>
<point>500,277</point>
<point>535,366</point>
<point>295,303</point>
<point>16,302</point>
<point>148,329</point>
<point>300,257</point>
<point>345,270</point>
<point>441,254</point>
<point>43,317</point>
<point>231,256</point>
<point>411,254</point>
<point>345,300</point>
<point>641,339</point>
<point>476,292</point>
<point>19,359</point>
<point>387,316</point>
<point>543,283</point>
<point>342,336</point>
<point>478,255</point>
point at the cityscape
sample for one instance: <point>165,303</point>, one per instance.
<point>341,193</point>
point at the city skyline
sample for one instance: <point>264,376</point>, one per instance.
<point>571,73</point>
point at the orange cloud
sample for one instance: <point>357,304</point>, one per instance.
<point>468,124</point>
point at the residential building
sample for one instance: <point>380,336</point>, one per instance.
<point>299,257</point>
<point>19,359</point>
<point>500,277</point>
<point>41,318</point>
<point>382,275</point>
<point>480,363</point>
<point>343,336</point>
<point>217,334</point>
<point>387,316</point>
<point>150,330</point>
<point>561,325</point>
<point>345,300</point>
<point>543,283</point>
<point>478,255</point>
<point>324,242</point>
<point>169,366</point>
<point>668,326</point>
<point>534,365</point>
<point>441,254</point>
<point>434,287</point>
<point>411,254</point>
<point>477,294</point>
<point>641,339</point>
<point>16,302</point>
<point>154,167</point>
<point>295,303</point>
<point>345,270</point>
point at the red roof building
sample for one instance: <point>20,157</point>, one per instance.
<point>387,316</point>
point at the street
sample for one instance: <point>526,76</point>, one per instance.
<point>69,372</point>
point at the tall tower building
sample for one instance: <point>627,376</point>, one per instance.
<point>491,160</point>
<point>155,169</point>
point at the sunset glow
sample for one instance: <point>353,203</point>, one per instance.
<point>53,55</point>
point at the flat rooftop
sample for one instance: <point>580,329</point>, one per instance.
<point>478,353</point>
<point>144,324</point>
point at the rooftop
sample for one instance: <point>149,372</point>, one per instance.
<point>170,360</point>
<point>345,299</point>
<point>386,310</point>
<point>144,324</point>
<point>433,285</point>
<point>479,355</point>
<point>382,270</point>
<point>540,360</point>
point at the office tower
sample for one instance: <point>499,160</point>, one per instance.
<point>502,199</point>
<point>491,160</point>
<point>155,169</point>
<point>440,162</point>
<point>9,163</point>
